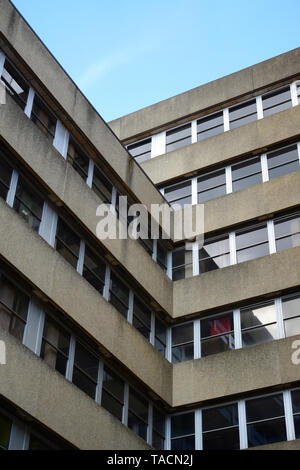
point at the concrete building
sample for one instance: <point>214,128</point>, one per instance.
<point>141,344</point>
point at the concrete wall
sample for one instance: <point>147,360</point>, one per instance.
<point>64,182</point>
<point>78,111</point>
<point>29,383</point>
<point>56,279</point>
<point>212,94</point>
<point>248,139</point>
<point>233,373</point>
<point>234,284</point>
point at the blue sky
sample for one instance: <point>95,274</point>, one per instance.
<point>128,54</point>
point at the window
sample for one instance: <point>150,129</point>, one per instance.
<point>252,243</point>
<point>158,429</point>
<point>276,101</point>
<point>214,254</point>
<point>246,173</point>
<point>85,371</point>
<point>5,177</point>
<point>13,308</point>
<point>140,150</point>
<point>43,117</point>
<point>183,343</point>
<point>287,232</point>
<point>35,443</point>
<point>94,269</point>
<point>67,243</point>
<point>283,161</point>
<point>55,346</point>
<point>5,430</point>
<point>119,295</point>
<point>179,193</point>
<point>138,414</point>
<point>15,84</point>
<point>217,334</point>
<point>295,394</point>
<point>182,263</point>
<point>258,324</point>
<point>28,204</point>
<point>162,255</point>
<point>242,113</point>
<point>160,336</point>
<point>209,126</point>
<point>183,432</point>
<point>220,428</point>
<point>265,420</point>
<point>78,158</point>
<point>112,393</point>
<point>141,318</point>
<point>291,315</point>
<point>178,137</point>
<point>102,186</point>
<point>211,185</point>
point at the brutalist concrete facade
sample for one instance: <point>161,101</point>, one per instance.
<point>33,388</point>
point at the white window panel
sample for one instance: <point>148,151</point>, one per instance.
<point>150,424</point>
<point>195,255</point>
<point>228,177</point>
<point>226,119</point>
<point>264,168</point>
<point>169,344</point>
<point>194,131</point>
<point>12,189</point>
<point>80,261</point>
<point>279,317</point>
<point>98,396</point>
<point>237,329</point>
<point>198,430</point>
<point>130,307</point>
<point>288,412</point>
<point>232,249</point>
<point>298,147</point>
<point>48,224</point>
<point>70,365</point>
<point>61,139</point>
<point>2,60</point>
<point>29,104</point>
<point>152,329</point>
<point>168,433</point>
<point>158,146</point>
<point>169,264</point>
<point>33,332</point>
<point>194,183</point>
<point>89,180</point>
<point>19,436</point>
<point>271,236</point>
<point>126,404</point>
<point>242,424</point>
<point>294,95</point>
<point>197,339</point>
<point>259,106</point>
<point>106,283</point>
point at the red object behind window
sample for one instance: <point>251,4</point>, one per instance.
<point>222,325</point>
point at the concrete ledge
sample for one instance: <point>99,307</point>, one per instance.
<point>235,372</point>
<point>28,382</point>
<point>77,108</point>
<point>285,445</point>
<point>234,284</point>
<point>207,96</point>
<point>243,140</point>
<point>37,153</point>
<point>251,203</point>
<point>49,272</point>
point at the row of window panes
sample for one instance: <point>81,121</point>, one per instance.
<point>242,424</point>
<point>13,431</point>
<point>235,177</point>
<point>219,122</point>
<point>61,350</point>
<point>26,200</point>
<point>241,245</point>
<point>239,328</point>
<point>42,116</point>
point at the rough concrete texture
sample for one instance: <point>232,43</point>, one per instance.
<point>245,140</point>
<point>236,372</point>
<point>54,276</point>
<point>29,383</point>
<point>216,93</point>
<point>61,179</point>
<point>77,108</point>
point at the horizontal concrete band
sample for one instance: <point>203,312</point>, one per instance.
<point>236,372</point>
<point>55,278</point>
<point>66,184</point>
<point>30,384</point>
<point>247,139</point>
<point>229,286</point>
<point>252,203</point>
<point>76,108</point>
<point>208,96</point>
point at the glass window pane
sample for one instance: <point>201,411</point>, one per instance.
<point>28,204</point>
<point>287,233</point>
<point>5,177</point>
<point>13,308</point>
<point>242,113</point>
<point>55,346</point>
<point>223,439</point>
<point>266,432</point>
<point>67,243</point>
<point>217,334</point>
<point>219,417</point>
<point>141,318</point>
<point>112,405</point>
<point>79,159</point>
<point>15,84</point>
<point>140,150</point>
<point>157,441</point>
<point>182,425</point>
<point>138,414</point>
<point>5,429</point>
<point>43,117</point>
<point>119,295</point>
<point>252,244</point>
<point>246,174</point>
<point>178,137</point>
<point>94,269</point>
<point>214,254</point>
<point>259,335</point>
<point>264,408</point>
<point>276,101</point>
<point>183,353</point>
<point>183,443</point>
<point>291,315</point>
<point>179,193</point>
<point>158,421</point>
<point>296,400</point>
<point>258,315</point>
<point>101,186</point>
<point>181,263</point>
<point>210,125</point>
<point>85,371</point>
<point>182,334</point>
